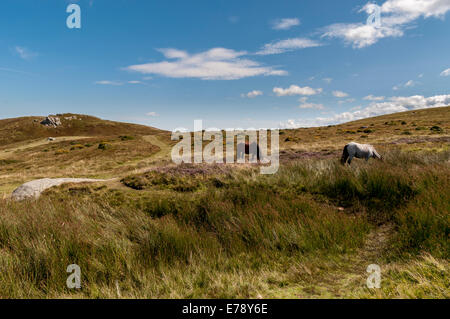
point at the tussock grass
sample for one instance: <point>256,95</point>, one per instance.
<point>239,234</point>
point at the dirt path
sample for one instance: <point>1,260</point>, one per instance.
<point>36,187</point>
<point>347,278</point>
<point>165,149</point>
<point>353,280</point>
<point>162,154</point>
<point>42,141</point>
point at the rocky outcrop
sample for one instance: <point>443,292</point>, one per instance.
<point>34,188</point>
<point>51,121</point>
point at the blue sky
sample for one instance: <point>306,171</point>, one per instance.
<point>231,63</point>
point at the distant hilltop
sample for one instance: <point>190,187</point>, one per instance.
<point>33,127</point>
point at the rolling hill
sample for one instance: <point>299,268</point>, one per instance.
<point>225,231</point>
<point>28,128</point>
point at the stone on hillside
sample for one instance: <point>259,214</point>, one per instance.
<point>34,188</point>
<point>51,121</point>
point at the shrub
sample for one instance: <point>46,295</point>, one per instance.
<point>104,146</point>
<point>436,129</point>
<point>77,147</point>
<point>8,161</point>
<point>126,138</point>
<point>61,151</point>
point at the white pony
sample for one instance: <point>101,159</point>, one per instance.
<point>359,151</point>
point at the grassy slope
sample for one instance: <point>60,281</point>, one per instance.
<point>29,128</point>
<point>26,154</point>
<point>214,231</point>
<point>383,130</point>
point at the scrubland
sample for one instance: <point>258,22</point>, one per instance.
<point>226,231</point>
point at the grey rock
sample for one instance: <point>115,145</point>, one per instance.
<point>35,188</point>
<point>51,121</point>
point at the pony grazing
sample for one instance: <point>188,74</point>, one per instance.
<point>249,149</point>
<point>359,151</point>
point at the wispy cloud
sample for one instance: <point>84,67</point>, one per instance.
<point>296,90</point>
<point>107,82</point>
<point>371,97</point>
<point>408,84</point>
<point>152,114</point>
<point>117,83</point>
<point>252,94</point>
<point>446,72</point>
<point>340,94</point>
<point>214,64</point>
<point>15,71</point>
<point>287,45</point>
<point>25,53</point>
<point>311,106</point>
<point>285,23</point>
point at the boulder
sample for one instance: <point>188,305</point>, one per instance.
<point>34,188</point>
<point>51,121</point>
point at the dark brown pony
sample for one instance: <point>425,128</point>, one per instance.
<point>245,149</point>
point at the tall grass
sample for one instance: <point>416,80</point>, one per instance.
<point>233,236</point>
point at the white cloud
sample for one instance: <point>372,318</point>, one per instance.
<point>214,64</point>
<point>296,90</point>
<point>394,105</point>
<point>107,82</point>
<point>303,99</point>
<point>328,80</point>
<point>340,94</point>
<point>287,45</point>
<point>371,97</point>
<point>360,35</point>
<point>285,24</point>
<point>445,72</point>
<point>24,53</point>
<point>311,106</point>
<point>252,94</point>
<point>410,83</point>
<point>396,16</point>
<point>152,114</point>
<point>134,82</point>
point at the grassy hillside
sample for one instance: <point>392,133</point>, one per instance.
<point>166,231</point>
<point>29,128</point>
<point>84,146</point>
<point>412,130</point>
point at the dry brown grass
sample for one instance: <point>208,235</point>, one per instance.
<point>211,232</point>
